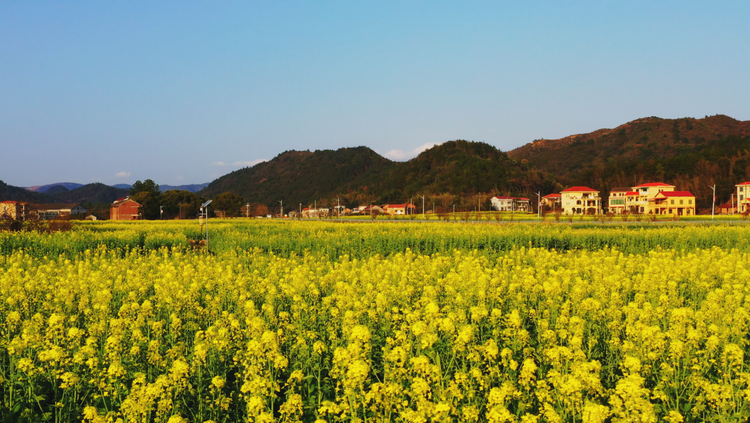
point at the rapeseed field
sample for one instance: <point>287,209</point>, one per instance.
<point>375,322</point>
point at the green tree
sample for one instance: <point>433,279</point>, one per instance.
<point>146,186</point>
<point>228,203</point>
<point>149,204</point>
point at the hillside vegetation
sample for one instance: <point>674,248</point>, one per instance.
<point>359,176</point>
<point>689,153</point>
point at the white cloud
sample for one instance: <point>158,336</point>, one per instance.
<point>248,163</point>
<point>401,155</point>
<point>122,175</point>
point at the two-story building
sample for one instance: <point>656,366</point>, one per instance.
<point>124,209</point>
<point>551,202</point>
<point>680,203</point>
<point>580,200</point>
<point>511,204</point>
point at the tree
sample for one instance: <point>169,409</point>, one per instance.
<point>149,204</point>
<point>146,186</point>
<point>184,204</point>
<point>227,203</point>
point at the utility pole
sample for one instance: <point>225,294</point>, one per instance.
<point>713,201</point>
<point>423,214</point>
<point>300,211</point>
<point>282,208</point>
<point>538,205</point>
<point>338,207</point>
<point>161,212</point>
<point>247,210</point>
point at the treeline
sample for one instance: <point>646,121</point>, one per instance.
<point>181,204</point>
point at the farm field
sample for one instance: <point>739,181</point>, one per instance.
<point>355,322</point>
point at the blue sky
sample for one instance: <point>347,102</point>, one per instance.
<point>184,92</point>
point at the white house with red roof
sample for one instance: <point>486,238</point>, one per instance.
<point>511,204</point>
<point>580,200</point>
<point>743,200</point>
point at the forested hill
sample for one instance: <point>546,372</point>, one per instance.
<point>95,193</point>
<point>361,176</point>
<point>463,168</point>
<point>690,153</point>
<point>304,176</point>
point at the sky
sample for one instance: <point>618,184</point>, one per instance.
<point>184,92</point>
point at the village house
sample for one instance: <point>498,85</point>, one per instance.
<point>502,203</point>
<point>617,202</point>
<point>743,202</point>
<point>124,209</point>
<point>57,210</point>
<point>680,203</point>
<point>645,201</point>
<point>399,209</point>
<point>551,202</point>
<point>581,200</point>
<point>15,210</point>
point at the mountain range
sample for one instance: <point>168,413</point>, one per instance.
<point>692,154</point>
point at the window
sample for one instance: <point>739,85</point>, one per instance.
<point>672,201</point>
<point>681,201</point>
<point>690,201</point>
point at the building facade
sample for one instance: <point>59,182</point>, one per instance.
<point>551,202</point>
<point>511,204</point>
<point>678,203</point>
<point>58,210</point>
<point>124,209</point>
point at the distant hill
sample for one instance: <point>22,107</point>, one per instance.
<point>56,190</point>
<point>361,176</point>
<point>690,153</point>
<point>304,176</point>
<point>91,193</point>
<point>11,193</point>
<point>44,188</point>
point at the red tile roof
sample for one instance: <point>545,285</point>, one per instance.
<point>579,189</point>
<point>632,193</point>
<point>744,183</point>
<point>654,184</point>
<point>677,194</point>
<point>555,195</point>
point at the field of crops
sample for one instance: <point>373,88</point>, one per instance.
<point>375,322</point>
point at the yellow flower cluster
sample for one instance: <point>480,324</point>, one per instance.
<point>531,335</point>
